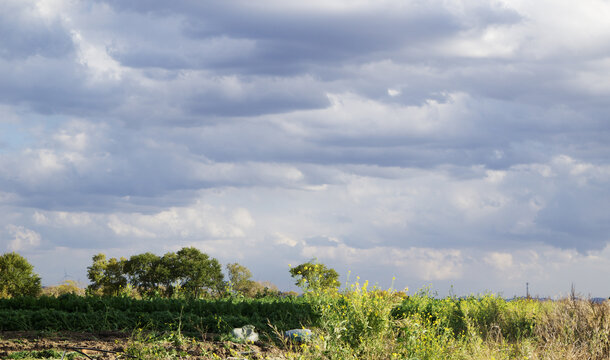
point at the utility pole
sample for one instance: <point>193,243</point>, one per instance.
<point>527,290</point>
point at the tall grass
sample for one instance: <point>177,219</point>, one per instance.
<point>579,329</point>
<point>368,323</point>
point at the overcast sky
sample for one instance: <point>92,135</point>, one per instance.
<point>443,142</point>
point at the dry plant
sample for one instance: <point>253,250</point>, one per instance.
<point>575,329</point>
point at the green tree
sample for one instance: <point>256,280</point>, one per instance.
<point>17,277</point>
<point>240,278</point>
<point>107,276</point>
<point>145,273</point>
<point>313,275</point>
<point>167,273</point>
<point>196,273</point>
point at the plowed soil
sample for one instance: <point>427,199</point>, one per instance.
<point>112,345</point>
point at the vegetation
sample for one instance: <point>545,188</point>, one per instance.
<point>241,284</point>
<point>147,272</point>
<point>92,314</point>
<point>355,322</point>
<point>189,272</point>
<point>240,279</point>
<point>17,277</point>
<point>107,276</point>
<point>66,287</point>
<point>363,323</point>
<point>313,275</point>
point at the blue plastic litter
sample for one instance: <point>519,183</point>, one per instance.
<point>298,335</point>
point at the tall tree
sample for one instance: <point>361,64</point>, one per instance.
<point>107,276</point>
<point>196,273</point>
<point>240,278</point>
<point>144,274</point>
<point>167,273</point>
<point>17,277</point>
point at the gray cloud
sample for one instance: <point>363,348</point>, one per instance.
<point>52,87</point>
<point>449,140</point>
<point>39,65</point>
<point>25,33</point>
<point>277,39</point>
<point>256,97</point>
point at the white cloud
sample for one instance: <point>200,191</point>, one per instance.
<point>283,239</point>
<point>62,219</point>
<point>582,27</point>
<point>393,92</point>
<point>120,228</point>
<point>500,261</point>
<point>23,238</point>
<point>351,115</point>
<point>198,221</point>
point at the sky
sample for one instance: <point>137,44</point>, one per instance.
<point>462,146</point>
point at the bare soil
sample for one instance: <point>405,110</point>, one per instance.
<point>112,345</point>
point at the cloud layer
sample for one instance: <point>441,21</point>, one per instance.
<point>455,143</point>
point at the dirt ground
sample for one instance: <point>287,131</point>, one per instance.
<point>112,345</point>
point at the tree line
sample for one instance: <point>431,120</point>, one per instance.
<point>186,273</point>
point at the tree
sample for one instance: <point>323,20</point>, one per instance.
<point>196,273</point>
<point>66,287</point>
<point>17,277</point>
<point>107,276</point>
<point>167,273</point>
<point>189,271</point>
<point>145,273</point>
<point>240,276</point>
<point>262,289</point>
<point>315,276</point>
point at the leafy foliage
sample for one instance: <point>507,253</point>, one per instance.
<point>315,276</point>
<point>145,273</point>
<point>196,273</point>
<point>189,272</point>
<point>107,276</point>
<point>17,277</point>
<point>76,313</point>
<point>240,279</point>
